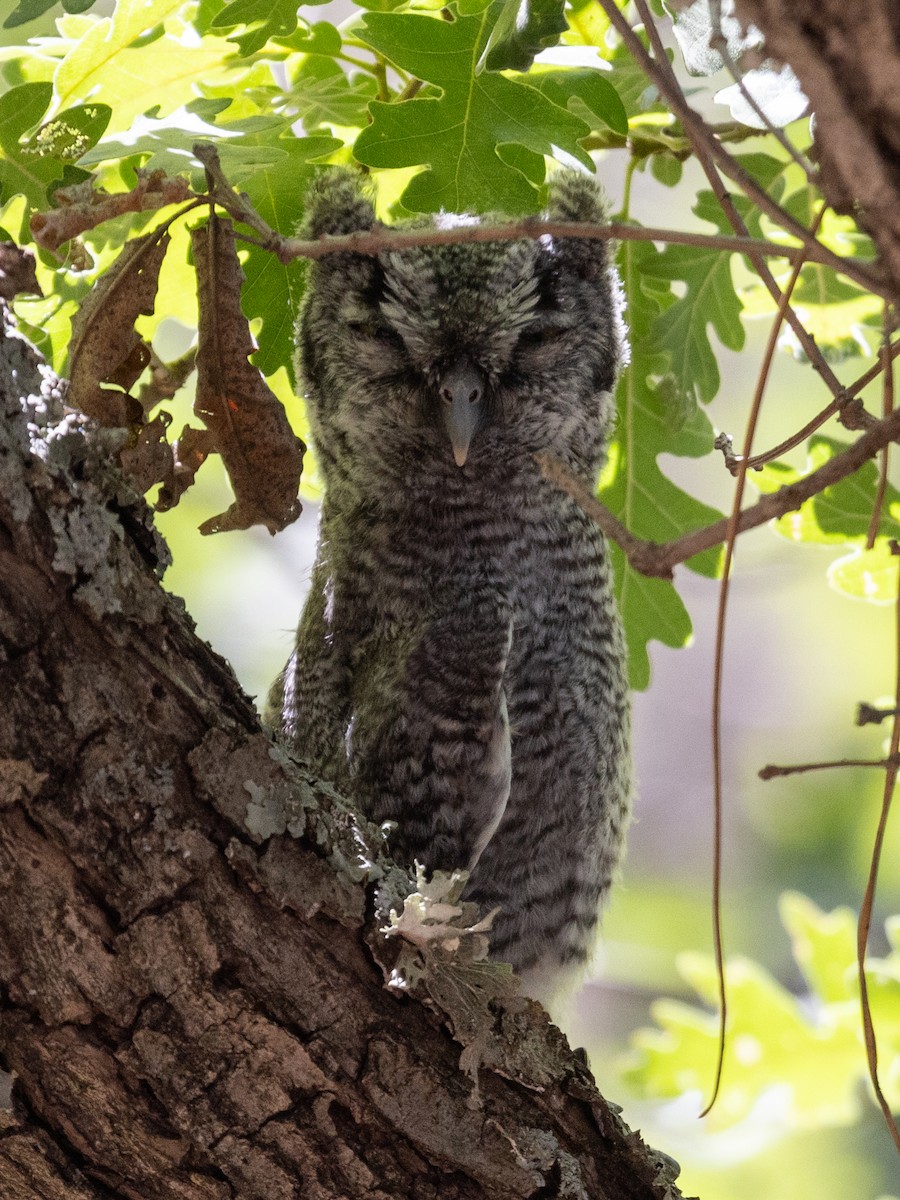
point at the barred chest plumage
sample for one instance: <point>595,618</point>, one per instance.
<point>460,666</point>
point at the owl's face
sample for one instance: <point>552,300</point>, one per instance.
<point>458,358</point>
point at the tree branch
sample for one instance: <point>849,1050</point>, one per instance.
<point>193,994</point>
<point>846,58</point>
<point>379,240</point>
<point>658,559</point>
<point>660,74</point>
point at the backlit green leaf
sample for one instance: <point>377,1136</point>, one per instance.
<point>107,64</point>
<point>262,20</point>
<point>30,10</point>
<point>456,136</point>
<point>810,1047</point>
<point>841,514</point>
<point>588,85</point>
<point>523,29</point>
<point>322,93</point>
<point>654,418</point>
<point>273,289</point>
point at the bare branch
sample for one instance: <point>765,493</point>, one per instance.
<point>703,138</point>
<point>659,72</point>
<point>379,240</point>
<point>657,559</point>
<point>775,772</point>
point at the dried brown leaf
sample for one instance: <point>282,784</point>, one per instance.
<point>84,206</point>
<point>107,354</point>
<point>165,379</point>
<point>261,453</point>
<point>17,272</point>
<point>147,459</point>
<point>188,454</point>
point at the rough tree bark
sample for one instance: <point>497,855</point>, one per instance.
<point>847,58</point>
<point>191,1003</point>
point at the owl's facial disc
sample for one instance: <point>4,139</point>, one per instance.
<point>461,392</point>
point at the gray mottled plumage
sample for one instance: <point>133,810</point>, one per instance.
<point>460,667</point>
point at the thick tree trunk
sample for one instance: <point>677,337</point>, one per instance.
<point>193,1004</point>
<point>847,58</point>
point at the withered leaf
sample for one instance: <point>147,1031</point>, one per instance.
<point>17,272</point>
<point>84,206</point>
<point>165,379</point>
<point>261,453</point>
<point>105,348</point>
<point>147,458</point>
<point>187,456</point>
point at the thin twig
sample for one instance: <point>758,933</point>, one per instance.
<point>236,204</point>
<point>868,714</point>
<point>412,88</point>
<point>846,407</point>
<point>660,73</point>
<point>865,912</point>
<point>886,408</point>
<point>719,42</point>
<point>657,559</point>
<point>377,241</point>
<point>775,772</point>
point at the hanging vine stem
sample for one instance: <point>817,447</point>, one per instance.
<point>718,669</point>
<point>868,903</point>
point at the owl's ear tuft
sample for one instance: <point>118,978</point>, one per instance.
<point>575,196</point>
<point>578,197</point>
<point>337,204</point>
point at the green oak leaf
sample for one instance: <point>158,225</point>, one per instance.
<point>262,20</point>
<point>587,85</point>
<point>33,165</point>
<point>823,944</point>
<point>666,169</point>
<point>321,93</point>
<point>681,330</point>
<point>456,136</point>
<point>654,418</point>
<point>272,290</point>
<point>636,92</point>
<point>808,1046</point>
<point>318,38</point>
<point>523,28</point>
<point>840,515</point>
<point>30,10</point>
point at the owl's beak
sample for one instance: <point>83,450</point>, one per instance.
<point>461,392</point>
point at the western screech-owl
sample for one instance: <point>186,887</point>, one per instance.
<point>460,666</point>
